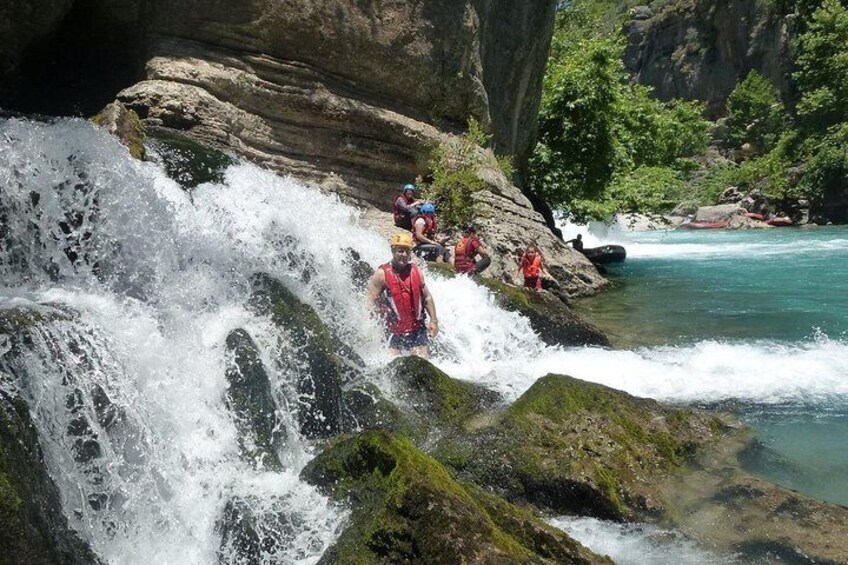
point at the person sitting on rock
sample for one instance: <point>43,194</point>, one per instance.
<point>576,243</point>
<point>466,252</point>
<point>427,245</point>
<point>397,291</point>
<point>532,266</point>
<point>405,206</point>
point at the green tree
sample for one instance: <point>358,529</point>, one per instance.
<point>822,63</point>
<point>595,126</point>
<point>755,113</point>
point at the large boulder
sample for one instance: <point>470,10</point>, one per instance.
<point>406,508</point>
<point>575,447</point>
<point>34,528</point>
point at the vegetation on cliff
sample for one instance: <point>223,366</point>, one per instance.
<point>598,131</point>
<point>606,146</point>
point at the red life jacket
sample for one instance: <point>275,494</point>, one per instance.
<point>399,214</point>
<point>531,267</point>
<point>466,249</point>
<point>405,300</point>
<point>430,226</point>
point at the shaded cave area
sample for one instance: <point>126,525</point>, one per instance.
<point>93,53</point>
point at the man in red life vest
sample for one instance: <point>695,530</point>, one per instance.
<point>405,206</point>
<point>407,300</point>
<point>532,266</point>
<point>466,252</point>
<point>428,245</point>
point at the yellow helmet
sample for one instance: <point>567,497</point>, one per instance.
<point>401,240</point>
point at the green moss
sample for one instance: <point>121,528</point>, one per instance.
<point>407,508</point>
<point>128,127</point>
<point>188,162</point>
<point>579,447</point>
<point>441,400</point>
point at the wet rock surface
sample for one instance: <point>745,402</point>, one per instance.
<point>251,403</point>
<point>34,528</point>
<point>313,363</point>
<point>407,508</point>
<point>570,446</point>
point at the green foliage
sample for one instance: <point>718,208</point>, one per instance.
<point>454,166</point>
<point>755,113</point>
<point>826,170</point>
<point>595,127</point>
<point>822,63</point>
<point>648,188</point>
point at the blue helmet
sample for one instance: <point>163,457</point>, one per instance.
<point>408,187</point>
<point>428,208</point>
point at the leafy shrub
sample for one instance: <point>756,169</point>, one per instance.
<point>648,188</point>
<point>454,166</point>
<point>822,63</point>
<point>755,113</point>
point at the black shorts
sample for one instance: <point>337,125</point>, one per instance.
<point>417,338</point>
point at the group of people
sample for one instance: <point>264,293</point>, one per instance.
<point>397,288</point>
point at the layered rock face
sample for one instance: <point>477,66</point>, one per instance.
<point>340,92</point>
<point>700,49</point>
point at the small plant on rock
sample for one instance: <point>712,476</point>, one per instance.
<point>454,165</point>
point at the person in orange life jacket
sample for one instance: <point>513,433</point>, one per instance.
<point>576,243</point>
<point>405,206</point>
<point>424,227</point>
<point>466,251</point>
<point>532,266</point>
<point>406,298</point>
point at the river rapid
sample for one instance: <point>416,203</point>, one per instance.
<point>162,276</point>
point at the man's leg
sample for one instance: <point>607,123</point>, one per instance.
<point>482,265</point>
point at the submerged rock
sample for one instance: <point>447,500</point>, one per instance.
<point>255,531</point>
<point>406,508</point>
<point>318,370</point>
<point>718,502</point>
<point>34,530</point>
<point>251,404</point>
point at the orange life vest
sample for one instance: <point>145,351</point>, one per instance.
<point>405,300</point>
<point>464,254</point>
<point>531,267</point>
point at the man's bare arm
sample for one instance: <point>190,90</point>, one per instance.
<point>376,284</point>
<point>430,306</point>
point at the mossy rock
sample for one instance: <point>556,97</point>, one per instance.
<point>365,408</point>
<point>125,125</point>
<point>438,400</point>
<point>577,447</point>
<point>549,316</point>
<point>251,404</point>
<point>321,371</point>
<point>34,530</point>
<point>406,508</point>
<point>187,161</point>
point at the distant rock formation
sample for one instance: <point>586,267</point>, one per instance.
<point>700,49</point>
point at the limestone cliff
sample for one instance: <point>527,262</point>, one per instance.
<point>347,95</point>
<point>700,49</point>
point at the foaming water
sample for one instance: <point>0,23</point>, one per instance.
<point>638,544</point>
